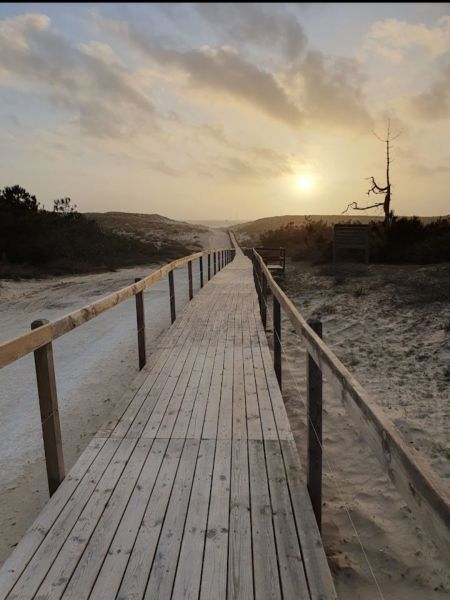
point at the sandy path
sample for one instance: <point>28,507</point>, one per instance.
<point>394,339</point>
<point>94,366</point>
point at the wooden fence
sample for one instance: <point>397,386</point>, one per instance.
<point>424,494</point>
<point>350,236</point>
<point>39,340</point>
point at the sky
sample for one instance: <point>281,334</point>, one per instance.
<point>226,111</point>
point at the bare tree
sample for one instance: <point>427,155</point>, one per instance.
<point>378,189</point>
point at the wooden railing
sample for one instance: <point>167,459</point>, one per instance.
<point>273,257</point>
<point>413,478</point>
<point>39,340</point>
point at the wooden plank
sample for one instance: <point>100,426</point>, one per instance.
<point>254,431</point>
<point>197,420</point>
<point>239,414</point>
<point>166,556</point>
<point>116,558</point>
<point>188,399</point>
<point>169,348</point>
<point>189,569</point>
<point>210,424</point>
<point>82,555</point>
<point>318,574</point>
<point>215,562</point>
<point>15,564</point>
<point>141,559</point>
<point>279,411</point>
<point>292,574</point>
<point>148,421</point>
<point>265,561</point>
<point>46,554</point>
<point>268,425</point>
<point>225,424</point>
<point>240,558</point>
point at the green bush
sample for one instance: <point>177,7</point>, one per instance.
<point>64,241</point>
<point>405,240</point>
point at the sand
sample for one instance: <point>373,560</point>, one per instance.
<point>390,326</point>
<point>94,366</point>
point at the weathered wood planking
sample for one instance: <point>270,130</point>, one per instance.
<point>193,489</point>
<point>414,479</point>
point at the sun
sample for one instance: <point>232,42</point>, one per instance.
<point>304,182</point>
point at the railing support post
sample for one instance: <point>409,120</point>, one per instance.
<point>140,319</point>
<point>314,390</point>
<point>277,339</point>
<point>201,270</point>
<point>215,263</point>
<point>48,405</point>
<point>191,289</point>
<point>209,267</point>
<point>173,314</point>
<point>263,299</point>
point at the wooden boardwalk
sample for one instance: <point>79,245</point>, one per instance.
<point>197,490</point>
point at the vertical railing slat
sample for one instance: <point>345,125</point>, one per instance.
<point>314,400</point>
<point>173,314</point>
<point>140,320</point>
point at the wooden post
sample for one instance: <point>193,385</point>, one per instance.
<point>314,391</point>
<point>201,270</point>
<point>277,339</point>
<point>215,263</point>
<point>264,300</point>
<point>173,314</point>
<point>140,318</point>
<point>209,267</point>
<point>191,290</point>
<point>48,405</point>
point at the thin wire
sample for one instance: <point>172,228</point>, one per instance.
<point>330,470</point>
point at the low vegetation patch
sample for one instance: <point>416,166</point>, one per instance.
<point>35,241</point>
<point>403,241</point>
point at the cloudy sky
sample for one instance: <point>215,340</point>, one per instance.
<point>200,111</point>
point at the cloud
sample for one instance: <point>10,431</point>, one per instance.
<point>394,39</point>
<point>434,104</point>
<point>313,86</point>
<point>224,71</point>
<point>87,80</point>
<point>264,26</point>
<point>255,164</point>
<point>221,71</point>
<point>330,90</point>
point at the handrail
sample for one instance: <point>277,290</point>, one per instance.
<point>39,340</point>
<point>16,348</point>
<point>424,494</point>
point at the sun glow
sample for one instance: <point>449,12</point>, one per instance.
<point>304,182</point>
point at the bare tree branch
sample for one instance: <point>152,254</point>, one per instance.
<point>355,206</point>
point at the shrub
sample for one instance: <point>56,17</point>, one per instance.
<point>64,240</point>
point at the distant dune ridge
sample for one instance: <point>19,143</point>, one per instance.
<point>145,224</point>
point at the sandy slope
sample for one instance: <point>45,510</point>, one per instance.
<point>389,325</point>
<point>94,366</point>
